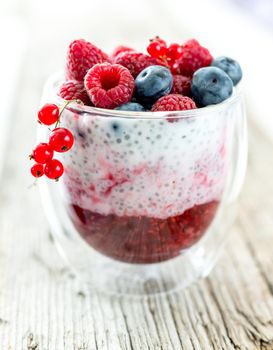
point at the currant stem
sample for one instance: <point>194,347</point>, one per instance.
<point>63,108</point>
<point>34,184</point>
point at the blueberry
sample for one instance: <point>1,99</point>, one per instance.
<point>131,106</point>
<point>152,83</point>
<point>210,85</point>
<point>230,66</point>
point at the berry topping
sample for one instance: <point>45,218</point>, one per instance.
<point>181,85</point>
<point>136,62</point>
<point>230,66</point>
<point>193,57</point>
<point>43,153</point>
<point>159,40</point>
<point>152,83</point>
<point>120,49</point>
<point>174,52</point>
<point>168,55</point>
<point>54,169</point>
<point>37,170</point>
<point>61,140</point>
<point>211,85</point>
<point>174,67</point>
<point>131,106</point>
<point>48,114</point>
<point>173,102</point>
<point>109,85</point>
<point>74,90</point>
<point>157,48</point>
<point>81,56</point>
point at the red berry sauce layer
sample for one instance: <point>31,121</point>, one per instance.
<point>139,239</point>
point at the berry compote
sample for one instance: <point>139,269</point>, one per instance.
<point>139,239</point>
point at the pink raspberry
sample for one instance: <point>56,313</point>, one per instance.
<point>74,90</point>
<point>181,85</point>
<point>173,102</point>
<point>193,57</point>
<point>81,56</point>
<point>109,85</point>
<point>136,61</point>
<point>121,49</point>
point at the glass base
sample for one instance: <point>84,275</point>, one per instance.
<point>110,276</point>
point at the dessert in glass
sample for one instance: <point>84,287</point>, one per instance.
<point>147,197</point>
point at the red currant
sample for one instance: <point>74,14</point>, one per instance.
<point>48,114</point>
<point>61,140</point>
<point>157,49</point>
<point>174,68</point>
<point>37,170</point>
<point>43,153</point>
<point>174,52</point>
<point>54,169</point>
<point>161,41</point>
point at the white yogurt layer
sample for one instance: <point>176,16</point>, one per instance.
<point>149,167</point>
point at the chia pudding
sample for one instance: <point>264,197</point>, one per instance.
<point>143,189</point>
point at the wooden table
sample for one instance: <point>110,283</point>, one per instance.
<point>44,307</point>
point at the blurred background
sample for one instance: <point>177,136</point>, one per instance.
<point>35,35</point>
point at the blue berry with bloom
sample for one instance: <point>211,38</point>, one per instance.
<point>230,66</point>
<point>131,106</point>
<point>210,85</point>
<point>152,83</point>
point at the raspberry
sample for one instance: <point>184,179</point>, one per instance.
<point>193,57</point>
<point>109,85</point>
<point>81,56</point>
<point>120,49</point>
<point>181,85</point>
<point>173,102</point>
<point>136,61</point>
<point>74,90</point>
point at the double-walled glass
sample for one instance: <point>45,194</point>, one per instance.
<point>147,199</point>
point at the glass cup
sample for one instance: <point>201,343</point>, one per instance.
<point>147,198</point>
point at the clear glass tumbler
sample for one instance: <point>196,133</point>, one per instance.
<point>147,198</point>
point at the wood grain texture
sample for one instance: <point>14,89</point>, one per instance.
<point>44,307</point>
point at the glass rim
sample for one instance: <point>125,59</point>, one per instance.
<point>55,79</point>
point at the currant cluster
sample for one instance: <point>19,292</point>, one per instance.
<point>60,140</point>
<point>168,54</point>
